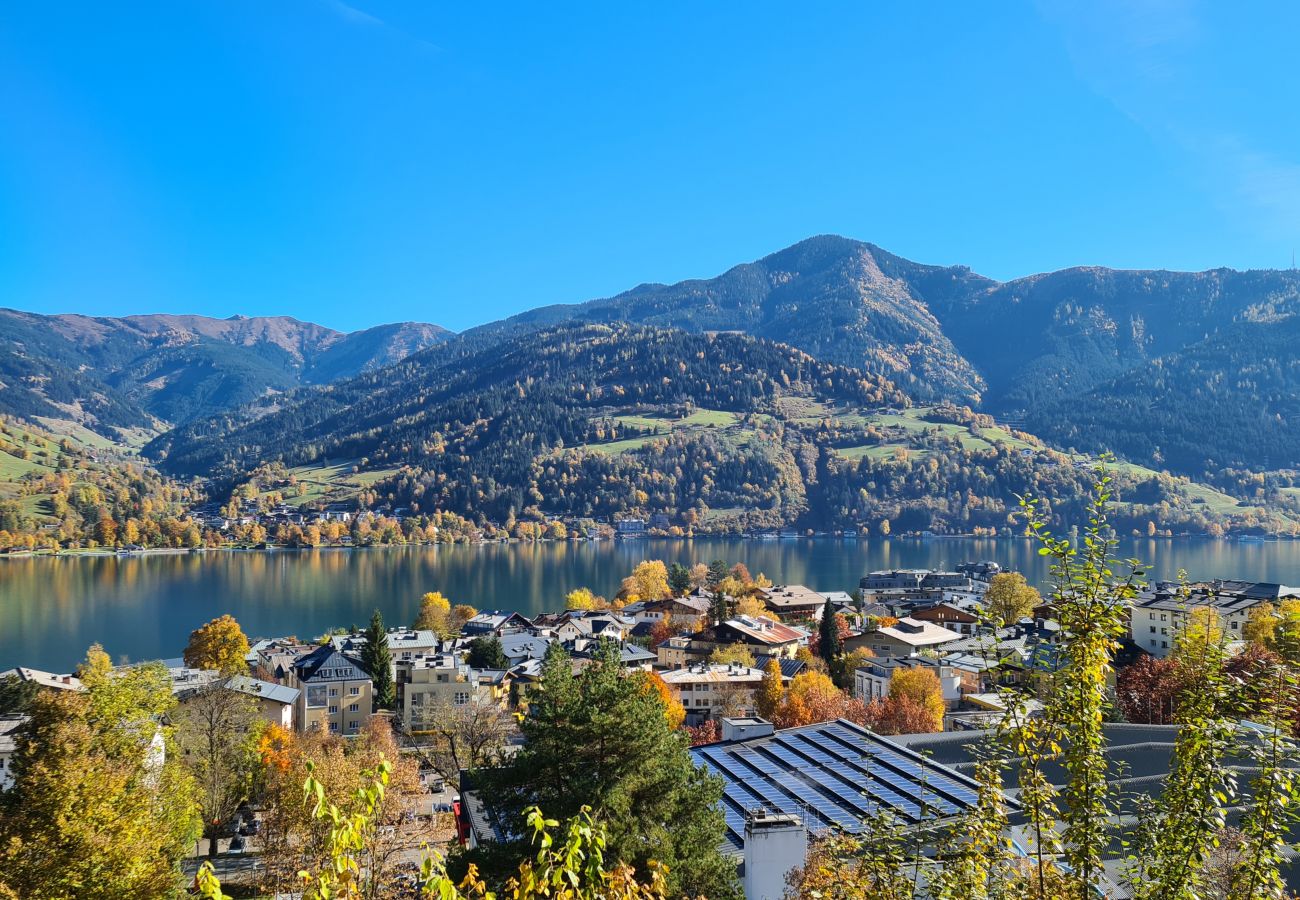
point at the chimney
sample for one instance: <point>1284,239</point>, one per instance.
<point>742,729</point>
<point>775,843</point>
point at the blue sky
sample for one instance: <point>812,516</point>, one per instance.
<point>373,161</point>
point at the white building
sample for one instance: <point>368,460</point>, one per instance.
<point>1160,612</point>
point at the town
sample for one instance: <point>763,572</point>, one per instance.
<point>811,707</point>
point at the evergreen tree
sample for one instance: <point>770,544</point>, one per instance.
<point>486,653</point>
<point>717,573</point>
<point>679,579</point>
<point>830,645</point>
<point>600,739</point>
<point>378,662</point>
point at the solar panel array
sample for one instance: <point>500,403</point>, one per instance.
<point>832,775</point>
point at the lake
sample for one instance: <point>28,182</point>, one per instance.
<point>144,607</point>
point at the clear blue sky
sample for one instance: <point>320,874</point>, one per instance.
<point>370,161</point>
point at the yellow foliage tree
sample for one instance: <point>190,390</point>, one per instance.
<point>584,599</point>
<point>674,711</point>
<point>732,654</point>
<point>219,646</point>
<point>1261,625</point>
<point>1010,597</point>
<point>751,606</point>
<point>648,581</point>
<point>920,685</point>
<point>767,700</point>
<point>435,613</point>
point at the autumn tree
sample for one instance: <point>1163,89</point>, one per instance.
<point>294,839</point>
<point>1147,690</point>
<point>377,660</point>
<point>218,646</point>
<point>460,614</point>
<point>583,599</point>
<point>1010,598</point>
<point>648,581</point>
<point>435,614</point>
<point>767,700</point>
<point>466,736</point>
<point>674,711</point>
<point>812,697</point>
<point>1261,625</point>
<point>732,654</point>
<point>920,685</point>
<point>98,808</point>
<point>217,733</point>
<point>752,606</point>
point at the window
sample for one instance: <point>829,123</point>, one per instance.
<point>334,692</point>
<point>353,708</point>
<point>354,691</point>
<point>1153,629</point>
<point>315,696</point>
<point>353,726</point>
<point>334,727</point>
<point>1235,625</point>
<point>460,698</point>
<point>1164,644</point>
<point>1164,617</point>
<point>1164,630</point>
<point>333,709</point>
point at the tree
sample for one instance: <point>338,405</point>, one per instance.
<point>679,579</point>
<point>16,695</point>
<point>771,691</point>
<point>830,642</point>
<point>217,732</point>
<point>812,697</point>
<point>732,654</point>
<point>218,646</point>
<point>716,573</point>
<point>295,839</point>
<point>469,736</point>
<point>920,685</point>
<point>674,711</point>
<point>98,809</point>
<point>1147,690</point>
<point>435,614</point>
<point>460,614</point>
<point>1261,625</point>
<point>648,581</point>
<point>583,599</point>
<point>486,652</point>
<point>1010,598</point>
<point>600,739</point>
<point>377,660</point>
<point>752,606</point>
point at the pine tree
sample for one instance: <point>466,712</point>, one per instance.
<point>830,645</point>
<point>378,662</point>
<point>679,579</point>
<point>600,739</point>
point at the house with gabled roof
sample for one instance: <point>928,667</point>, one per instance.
<point>337,695</point>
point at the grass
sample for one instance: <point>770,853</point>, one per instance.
<point>700,420</point>
<point>329,481</point>
<point>879,451</point>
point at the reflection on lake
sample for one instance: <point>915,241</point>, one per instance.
<point>144,607</point>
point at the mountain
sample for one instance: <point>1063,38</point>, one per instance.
<point>1056,351</point>
<point>841,300</point>
<point>715,432</point>
<point>147,372</point>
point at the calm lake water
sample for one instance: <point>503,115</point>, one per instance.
<point>52,608</point>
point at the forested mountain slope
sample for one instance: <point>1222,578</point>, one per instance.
<point>142,372</point>
<point>718,432</point>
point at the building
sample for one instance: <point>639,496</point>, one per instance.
<point>906,638</point>
<point>275,702</point>
<point>871,680</point>
<point>9,726</point>
<point>429,683</point>
<point>952,617</point>
<point>713,691</point>
<point>794,602</point>
<point>336,694</point>
<point>1160,611</point>
<point>44,679</point>
<point>403,643</point>
<point>763,634</point>
<point>495,621</point>
<point>682,610</point>
<point>827,777</point>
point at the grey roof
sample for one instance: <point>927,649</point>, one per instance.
<point>8,739</point>
<point>524,646</point>
<point>266,690</point>
<point>832,775</point>
<point>789,667</point>
<point>327,664</point>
